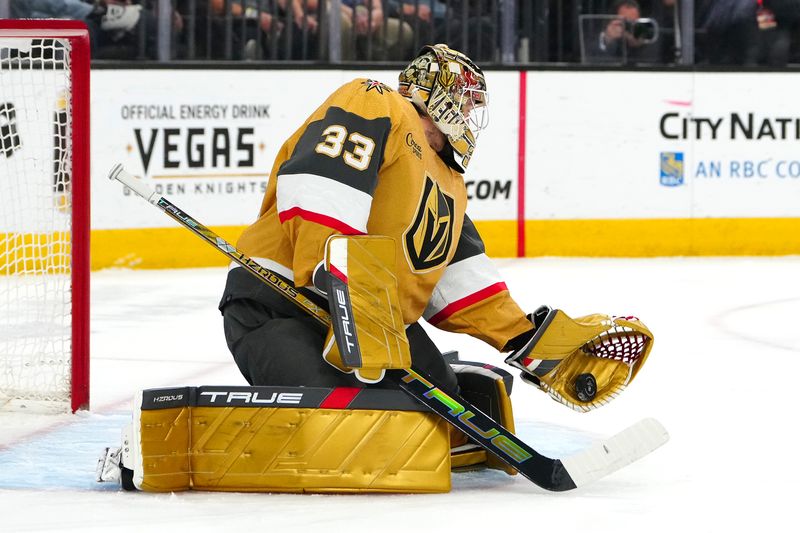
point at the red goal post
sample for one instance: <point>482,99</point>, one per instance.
<point>44,214</point>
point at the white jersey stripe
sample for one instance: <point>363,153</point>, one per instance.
<point>460,280</point>
<point>326,197</point>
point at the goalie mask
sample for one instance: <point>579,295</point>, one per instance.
<point>451,89</point>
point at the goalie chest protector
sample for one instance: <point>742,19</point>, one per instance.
<point>285,439</point>
<point>361,164</point>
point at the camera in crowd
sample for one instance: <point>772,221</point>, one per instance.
<point>644,30</point>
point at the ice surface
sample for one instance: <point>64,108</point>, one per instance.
<point>722,379</point>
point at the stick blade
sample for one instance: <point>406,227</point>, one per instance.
<point>610,455</point>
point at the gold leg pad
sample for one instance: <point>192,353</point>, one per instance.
<point>252,449</point>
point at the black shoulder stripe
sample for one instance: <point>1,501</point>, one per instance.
<point>306,159</point>
<point>469,242</point>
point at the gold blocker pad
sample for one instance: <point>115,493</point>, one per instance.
<point>285,439</point>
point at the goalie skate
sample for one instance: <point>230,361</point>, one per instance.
<point>109,466</point>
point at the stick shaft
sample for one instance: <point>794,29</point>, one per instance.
<point>184,219</point>
<point>252,266</point>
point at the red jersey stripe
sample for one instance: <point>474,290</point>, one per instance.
<point>318,218</point>
<point>465,302</point>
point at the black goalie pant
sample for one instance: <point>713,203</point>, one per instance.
<point>274,342</point>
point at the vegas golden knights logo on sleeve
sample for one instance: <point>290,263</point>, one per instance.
<point>430,236</point>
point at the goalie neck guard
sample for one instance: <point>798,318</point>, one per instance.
<point>451,89</point>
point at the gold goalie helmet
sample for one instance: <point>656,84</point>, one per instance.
<point>451,89</point>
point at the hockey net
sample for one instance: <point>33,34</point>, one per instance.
<point>44,215</point>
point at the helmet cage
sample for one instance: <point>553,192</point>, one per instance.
<point>452,90</point>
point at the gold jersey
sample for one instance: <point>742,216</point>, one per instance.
<point>360,164</point>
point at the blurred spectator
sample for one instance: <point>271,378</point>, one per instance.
<point>250,34</point>
<point>471,27</point>
<point>792,19</point>
<point>66,9</point>
<point>619,41</point>
<point>747,32</point>
<point>368,34</point>
<point>421,15</point>
<point>776,20</point>
<point>301,32</point>
<point>731,31</point>
<point>107,20</point>
<point>140,41</point>
<point>250,9</point>
<point>666,14</point>
<point>257,29</point>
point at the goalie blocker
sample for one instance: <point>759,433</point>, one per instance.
<point>367,334</point>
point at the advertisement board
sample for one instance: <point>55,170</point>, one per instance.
<point>611,163</point>
<point>207,140</point>
<point>663,145</point>
<point>662,163</point>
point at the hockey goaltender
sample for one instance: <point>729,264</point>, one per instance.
<point>365,215</point>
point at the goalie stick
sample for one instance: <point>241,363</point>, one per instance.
<point>564,474</point>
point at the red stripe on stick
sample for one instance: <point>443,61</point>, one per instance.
<point>523,94</point>
<point>339,398</point>
<point>318,218</point>
<point>466,301</point>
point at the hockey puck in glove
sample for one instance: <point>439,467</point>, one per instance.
<point>586,387</point>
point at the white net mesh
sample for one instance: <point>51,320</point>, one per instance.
<point>619,343</point>
<point>35,220</point>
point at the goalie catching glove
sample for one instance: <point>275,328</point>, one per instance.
<point>582,363</point>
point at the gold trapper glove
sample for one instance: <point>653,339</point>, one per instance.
<point>582,363</point>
